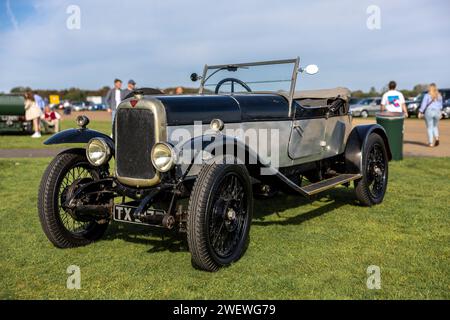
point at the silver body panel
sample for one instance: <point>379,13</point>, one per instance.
<point>322,138</point>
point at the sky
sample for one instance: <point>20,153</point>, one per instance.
<point>160,43</point>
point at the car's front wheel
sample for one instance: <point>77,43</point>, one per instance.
<point>220,213</point>
<point>58,183</point>
<point>364,114</point>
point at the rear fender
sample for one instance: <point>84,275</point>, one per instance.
<point>356,143</point>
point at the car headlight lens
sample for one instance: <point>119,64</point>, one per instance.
<point>163,157</point>
<point>98,152</point>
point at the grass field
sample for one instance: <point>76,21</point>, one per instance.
<point>299,249</point>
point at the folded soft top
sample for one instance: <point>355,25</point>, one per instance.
<point>339,92</point>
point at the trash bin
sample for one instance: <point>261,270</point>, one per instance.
<point>392,122</point>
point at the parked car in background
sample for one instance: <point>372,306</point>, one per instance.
<point>82,106</point>
<point>414,105</point>
<point>366,107</point>
<point>89,105</point>
<point>97,107</point>
<point>446,109</point>
<point>78,106</point>
<point>354,101</point>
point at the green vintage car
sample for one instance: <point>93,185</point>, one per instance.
<point>12,114</point>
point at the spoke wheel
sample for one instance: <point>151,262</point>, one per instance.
<point>220,211</point>
<point>228,216</point>
<point>376,171</point>
<point>75,176</point>
<point>64,174</point>
<point>371,188</point>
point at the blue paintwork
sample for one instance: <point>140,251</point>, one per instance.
<point>78,136</point>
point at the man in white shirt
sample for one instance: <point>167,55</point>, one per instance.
<point>114,97</point>
<point>393,100</point>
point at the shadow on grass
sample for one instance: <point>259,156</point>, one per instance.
<point>332,200</point>
<point>163,240</point>
<point>159,239</point>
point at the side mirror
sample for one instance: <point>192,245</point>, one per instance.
<point>194,77</point>
<point>311,69</point>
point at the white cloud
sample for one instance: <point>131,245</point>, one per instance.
<point>11,15</point>
<point>158,43</point>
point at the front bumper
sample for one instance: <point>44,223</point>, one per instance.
<point>137,210</point>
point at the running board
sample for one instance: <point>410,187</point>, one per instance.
<point>326,184</point>
<point>320,186</point>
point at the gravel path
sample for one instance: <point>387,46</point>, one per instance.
<point>29,153</point>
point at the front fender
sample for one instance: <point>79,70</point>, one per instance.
<point>82,135</point>
<point>216,147</point>
<point>357,141</point>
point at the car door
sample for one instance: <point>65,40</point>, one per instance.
<point>338,128</point>
<point>308,131</point>
<point>375,107</point>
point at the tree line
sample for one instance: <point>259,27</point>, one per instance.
<point>418,88</point>
<point>77,94</point>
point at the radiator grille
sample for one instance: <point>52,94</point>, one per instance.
<point>135,137</point>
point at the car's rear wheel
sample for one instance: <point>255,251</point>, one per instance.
<point>63,174</point>
<point>370,189</point>
<point>364,114</point>
<point>220,213</point>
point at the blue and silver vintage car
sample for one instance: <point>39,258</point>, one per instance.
<point>246,133</point>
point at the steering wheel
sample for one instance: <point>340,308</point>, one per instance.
<point>232,80</point>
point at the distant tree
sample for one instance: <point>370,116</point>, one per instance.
<point>373,92</point>
<point>358,94</point>
<point>419,88</point>
<point>75,94</point>
<point>20,89</point>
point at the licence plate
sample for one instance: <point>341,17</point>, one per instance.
<point>10,118</point>
<point>124,213</point>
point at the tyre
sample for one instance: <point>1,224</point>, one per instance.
<point>364,114</point>
<point>220,213</point>
<point>60,227</point>
<point>370,189</point>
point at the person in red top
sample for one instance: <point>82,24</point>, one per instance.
<point>51,118</point>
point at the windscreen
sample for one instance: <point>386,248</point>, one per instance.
<point>249,78</point>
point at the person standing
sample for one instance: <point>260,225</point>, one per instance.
<point>431,108</point>
<point>130,88</point>
<point>393,100</point>
<point>179,90</point>
<point>39,102</point>
<point>114,97</point>
<point>33,113</point>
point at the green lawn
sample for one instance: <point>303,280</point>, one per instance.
<point>24,141</point>
<point>299,249</point>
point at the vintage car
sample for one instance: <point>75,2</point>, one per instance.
<point>247,132</point>
<point>12,114</point>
